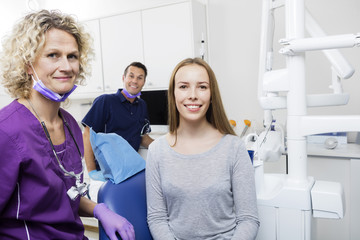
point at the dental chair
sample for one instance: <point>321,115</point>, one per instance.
<point>128,199</point>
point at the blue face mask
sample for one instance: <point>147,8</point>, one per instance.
<point>129,95</point>
<point>46,92</point>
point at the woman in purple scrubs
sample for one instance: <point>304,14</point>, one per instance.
<point>41,147</point>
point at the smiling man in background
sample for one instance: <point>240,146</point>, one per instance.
<point>122,113</point>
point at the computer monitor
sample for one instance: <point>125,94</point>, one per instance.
<point>156,101</point>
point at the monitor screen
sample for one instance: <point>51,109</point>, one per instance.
<point>156,101</point>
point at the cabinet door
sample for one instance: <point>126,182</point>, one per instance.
<point>94,84</point>
<point>121,41</point>
<point>334,169</point>
<point>167,33</point>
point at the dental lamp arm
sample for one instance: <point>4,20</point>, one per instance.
<point>308,125</point>
<point>337,60</point>
<point>292,46</point>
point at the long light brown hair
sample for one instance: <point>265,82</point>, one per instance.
<point>215,115</point>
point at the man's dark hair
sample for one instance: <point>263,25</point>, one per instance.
<point>138,65</point>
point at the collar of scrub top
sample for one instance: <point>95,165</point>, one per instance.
<point>80,188</point>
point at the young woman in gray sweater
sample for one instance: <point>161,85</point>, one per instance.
<point>199,177</point>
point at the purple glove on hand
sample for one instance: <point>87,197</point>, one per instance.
<point>113,223</point>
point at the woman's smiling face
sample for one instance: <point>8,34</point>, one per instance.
<point>57,64</point>
<point>192,92</point>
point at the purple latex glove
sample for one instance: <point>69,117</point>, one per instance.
<point>113,223</point>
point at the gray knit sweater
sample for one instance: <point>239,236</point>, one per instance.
<point>202,196</point>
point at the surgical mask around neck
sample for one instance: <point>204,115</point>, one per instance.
<point>39,86</point>
<point>129,95</point>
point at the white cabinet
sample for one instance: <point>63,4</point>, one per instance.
<point>354,198</point>
<point>122,43</point>
<point>94,84</point>
<point>159,37</point>
<point>342,165</point>
<point>171,33</point>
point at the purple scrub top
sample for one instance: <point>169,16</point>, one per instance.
<point>33,199</point>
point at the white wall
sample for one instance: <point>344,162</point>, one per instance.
<point>10,12</point>
<point>234,40</point>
